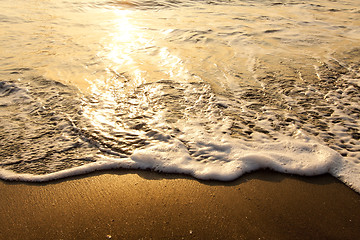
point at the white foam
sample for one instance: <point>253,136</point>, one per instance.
<point>229,158</point>
<point>91,167</point>
<point>203,148</point>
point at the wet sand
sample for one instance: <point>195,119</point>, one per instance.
<point>146,205</point>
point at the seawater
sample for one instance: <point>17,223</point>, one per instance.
<point>213,89</point>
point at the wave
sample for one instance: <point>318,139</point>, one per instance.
<point>49,131</point>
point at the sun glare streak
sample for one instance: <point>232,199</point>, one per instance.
<point>134,54</point>
<point>136,48</point>
<point>124,44</point>
<point>118,57</point>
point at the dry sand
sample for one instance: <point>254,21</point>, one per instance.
<point>146,205</point>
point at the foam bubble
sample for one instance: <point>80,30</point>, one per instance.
<point>199,140</point>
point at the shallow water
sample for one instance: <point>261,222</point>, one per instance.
<point>208,88</point>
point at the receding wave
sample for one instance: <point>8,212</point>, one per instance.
<point>38,135</point>
<point>50,130</point>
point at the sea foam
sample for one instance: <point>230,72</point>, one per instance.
<point>193,135</point>
<point>232,158</point>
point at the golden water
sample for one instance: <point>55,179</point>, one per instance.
<point>83,80</point>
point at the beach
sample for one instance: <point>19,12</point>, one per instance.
<point>157,119</point>
<point>131,204</point>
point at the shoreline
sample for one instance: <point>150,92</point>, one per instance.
<point>136,204</point>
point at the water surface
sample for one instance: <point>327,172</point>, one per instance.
<point>208,88</point>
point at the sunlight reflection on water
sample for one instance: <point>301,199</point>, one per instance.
<point>112,78</point>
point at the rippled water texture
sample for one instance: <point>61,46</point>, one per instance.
<point>209,88</point>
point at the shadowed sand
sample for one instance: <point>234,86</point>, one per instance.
<point>146,205</point>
